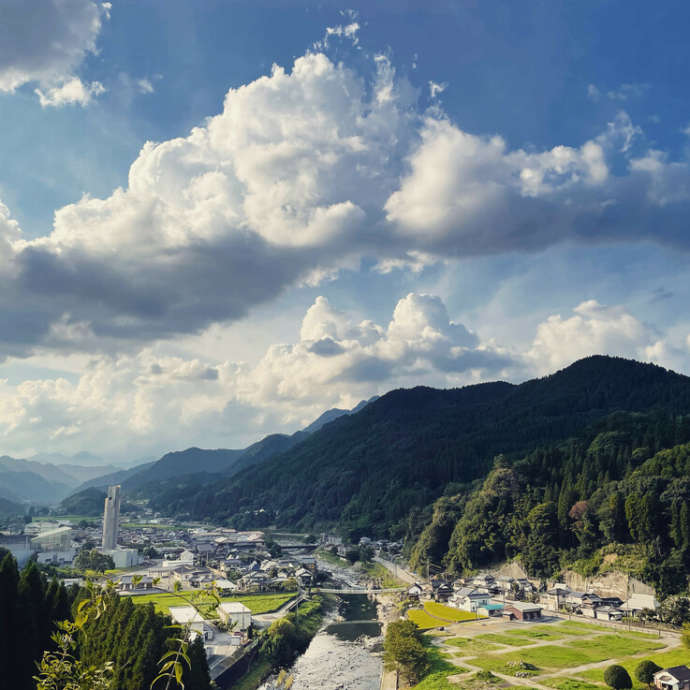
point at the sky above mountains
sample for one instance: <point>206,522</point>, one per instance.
<point>219,219</point>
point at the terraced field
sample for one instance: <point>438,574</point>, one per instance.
<point>435,615</point>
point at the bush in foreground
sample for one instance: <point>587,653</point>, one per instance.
<point>645,670</point>
<point>617,677</point>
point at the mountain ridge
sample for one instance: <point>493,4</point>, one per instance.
<point>402,450</point>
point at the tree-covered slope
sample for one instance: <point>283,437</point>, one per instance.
<point>374,468</point>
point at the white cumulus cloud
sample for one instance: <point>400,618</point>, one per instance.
<point>72,91</point>
<point>45,41</point>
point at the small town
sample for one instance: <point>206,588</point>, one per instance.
<point>224,586</point>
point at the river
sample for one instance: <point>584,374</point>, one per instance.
<point>342,655</point>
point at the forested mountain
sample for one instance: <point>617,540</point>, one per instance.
<point>614,497</point>
<point>199,465</point>
<point>118,477</point>
<point>10,508</point>
<point>560,439</point>
<point>89,502</point>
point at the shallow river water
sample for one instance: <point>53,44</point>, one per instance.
<point>341,656</point>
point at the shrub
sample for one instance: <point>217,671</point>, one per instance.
<point>617,677</point>
<point>645,670</point>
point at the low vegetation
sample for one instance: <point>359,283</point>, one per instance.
<point>256,603</point>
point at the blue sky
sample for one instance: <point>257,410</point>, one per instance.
<point>419,193</point>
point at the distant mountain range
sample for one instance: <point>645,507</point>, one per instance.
<point>48,478</point>
<point>199,461</point>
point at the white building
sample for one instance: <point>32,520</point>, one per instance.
<point>123,558</point>
<point>59,539</point>
<point>189,617</point>
<point>235,613</point>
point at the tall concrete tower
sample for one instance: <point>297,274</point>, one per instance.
<point>111,517</point>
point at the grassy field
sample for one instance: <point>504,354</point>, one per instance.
<point>468,646</point>
<point>257,603</point>
<point>440,667</point>
<point>540,651</point>
<point>577,653</point>
<point>505,638</point>
<point>674,657</point>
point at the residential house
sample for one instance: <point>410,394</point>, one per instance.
<point>674,678</point>
<point>608,613</point>
<point>443,592</point>
<point>469,599</point>
<point>554,598</point>
<point>225,586</point>
<point>189,617</point>
<point>522,611</point>
<point>304,577</point>
<point>485,581</point>
<point>235,613</point>
<point>638,603</point>
<point>491,609</point>
<point>415,591</point>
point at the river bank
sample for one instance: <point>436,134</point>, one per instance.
<point>345,654</point>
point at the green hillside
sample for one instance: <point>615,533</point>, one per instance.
<point>379,471</point>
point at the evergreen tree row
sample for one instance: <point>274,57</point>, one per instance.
<point>29,607</point>
<point>133,637</point>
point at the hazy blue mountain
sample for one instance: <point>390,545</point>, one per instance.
<point>118,477</point>
<point>30,487</point>
<point>200,462</point>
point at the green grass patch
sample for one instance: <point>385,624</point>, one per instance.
<point>505,638</point>
<point>675,657</point>
<point>256,675</point>
<point>469,646</point>
<point>616,646</point>
<point>579,628</point>
<point>568,684</point>
<point>382,574</point>
<point>334,559</point>
<point>448,613</point>
<point>262,603</point>
<point>538,634</point>
<point>577,653</point>
<point>439,669</point>
<point>257,603</point>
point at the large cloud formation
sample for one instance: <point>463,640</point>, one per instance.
<point>168,400</point>
<point>304,172</point>
<point>149,401</point>
<point>44,42</point>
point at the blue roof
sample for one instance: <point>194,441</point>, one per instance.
<point>493,607</point>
